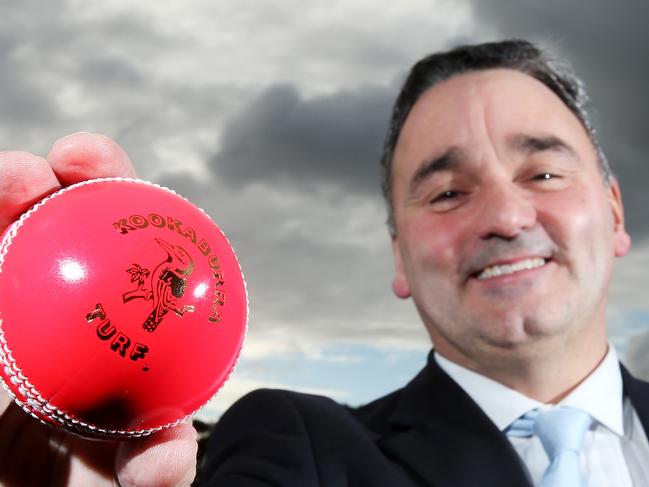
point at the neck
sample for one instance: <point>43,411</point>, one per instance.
<point>546,371</point>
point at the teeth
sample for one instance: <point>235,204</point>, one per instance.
<point>502,270</point>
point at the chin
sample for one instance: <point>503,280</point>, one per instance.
<point>513,330</point>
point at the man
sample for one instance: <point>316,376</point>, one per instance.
<point>505,221</point>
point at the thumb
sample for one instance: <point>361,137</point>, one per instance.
<point>164,459</point>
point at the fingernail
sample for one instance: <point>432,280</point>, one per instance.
<point>82,132</point>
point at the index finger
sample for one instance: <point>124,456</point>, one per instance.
<point>24,179</point>
<point>82,156</point>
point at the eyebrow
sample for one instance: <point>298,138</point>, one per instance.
<point>530,144</point>
<point>445,162</point>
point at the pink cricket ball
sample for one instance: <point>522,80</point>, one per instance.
<point>122,308</point>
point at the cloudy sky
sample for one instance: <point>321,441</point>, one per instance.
<point>270,116</point>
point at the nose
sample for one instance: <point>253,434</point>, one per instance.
<point>506,211</point>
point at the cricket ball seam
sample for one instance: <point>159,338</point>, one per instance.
<point>35,404</point>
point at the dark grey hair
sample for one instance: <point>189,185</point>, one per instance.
<point>516,54</point>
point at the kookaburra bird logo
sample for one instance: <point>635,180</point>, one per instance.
<point>164,286</point>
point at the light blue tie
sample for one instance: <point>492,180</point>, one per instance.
<point>561,431</point>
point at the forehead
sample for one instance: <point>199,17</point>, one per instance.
<point>481,109</point>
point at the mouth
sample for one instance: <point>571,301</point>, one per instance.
<point>510,268</point>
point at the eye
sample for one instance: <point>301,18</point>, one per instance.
<point>445,196</point>
<point>545,176</point>
<point>447,200</point>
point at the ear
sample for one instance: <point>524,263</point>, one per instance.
<point>399,283</point>
<point>622,240</point>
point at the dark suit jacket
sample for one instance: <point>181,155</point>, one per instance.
<point>430,433</point>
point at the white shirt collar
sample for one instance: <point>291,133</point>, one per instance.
<point>600,394</point>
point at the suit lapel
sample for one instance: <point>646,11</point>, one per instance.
<point>638,393</point>
<point>444,438</point>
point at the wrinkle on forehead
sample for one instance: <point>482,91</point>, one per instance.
<point>476,112</point>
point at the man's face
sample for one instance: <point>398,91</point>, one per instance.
<point>505,230</point>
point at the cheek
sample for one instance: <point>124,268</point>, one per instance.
<point>578,221</point>
<point>434,242</point>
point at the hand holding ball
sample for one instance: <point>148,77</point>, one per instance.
<point>122,308</point>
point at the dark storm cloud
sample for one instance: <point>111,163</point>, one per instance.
<point>283,138</point>
<point>64,68</point>
<point>49,51</point>
<point>57,40</point>
<point>24,101</point>
<point>606,42</point>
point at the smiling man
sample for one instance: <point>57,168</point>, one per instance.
<point>505,230</point>
<point>505,222</point>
